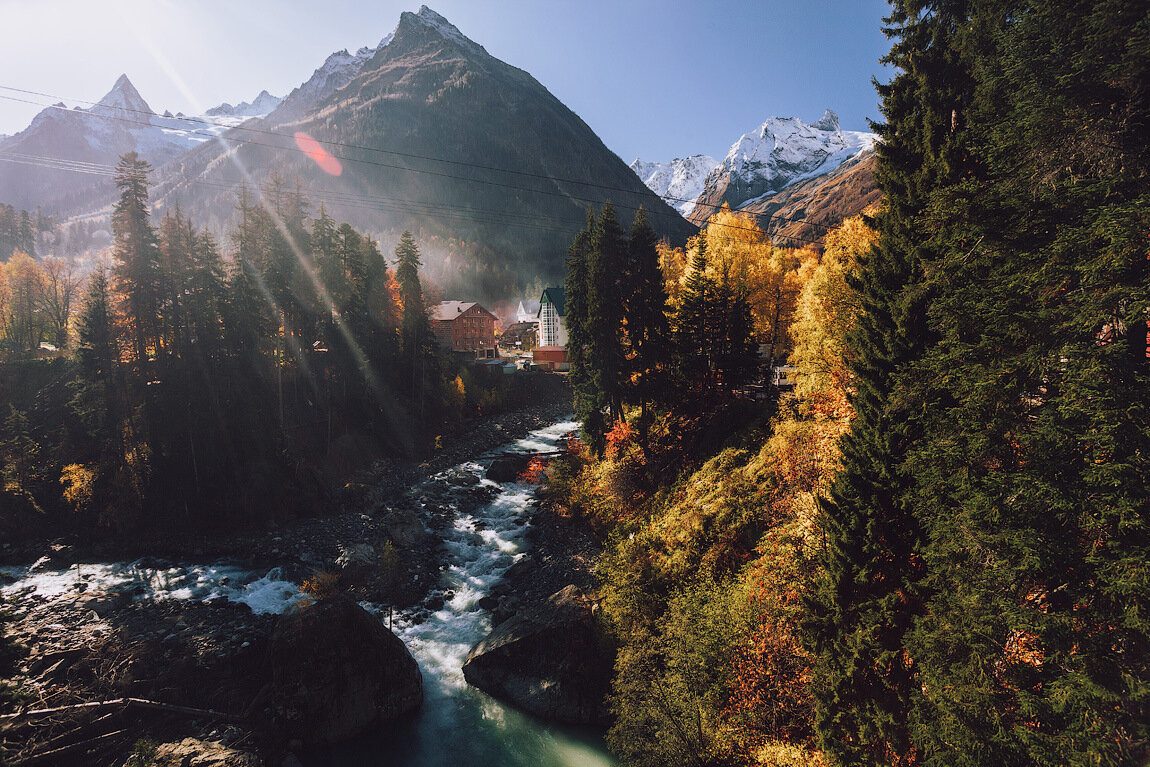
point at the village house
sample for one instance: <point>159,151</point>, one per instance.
<point>464,327</point>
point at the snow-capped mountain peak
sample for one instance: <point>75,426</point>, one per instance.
<point>784,150</point>
<point>260,106</point>
<point>441,25</point>
<point>679,182</point>
<point>123,101</point>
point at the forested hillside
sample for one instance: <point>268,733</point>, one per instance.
<point>192,384</point>
<point>934,550</point>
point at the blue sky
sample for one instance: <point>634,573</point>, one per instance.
<point>653,79</point>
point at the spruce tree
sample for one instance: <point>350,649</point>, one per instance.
<point>692,331</point>
<point>136,253</point>
<point>589,402</point>
<point>648,334</point>
<point>871,591</point>
<point>1030,471</point>
<point>607,297</point>
<point>415,332</point>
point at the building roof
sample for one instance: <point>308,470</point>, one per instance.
<point>449,310</point>
<point>556,297</point>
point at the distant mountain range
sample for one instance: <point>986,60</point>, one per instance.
<point>776,172</point>
<point>431,133</point>
<point>59,162</point>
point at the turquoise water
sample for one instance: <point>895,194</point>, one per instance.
<point>460,726</point>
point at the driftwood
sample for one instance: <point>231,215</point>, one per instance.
<point>126,702</point>
<point>52,755</point>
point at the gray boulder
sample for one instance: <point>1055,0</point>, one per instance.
<point>337,671</point>
<point>508,467</point>
<point>551,660</point>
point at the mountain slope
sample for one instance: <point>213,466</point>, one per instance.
<point>488,168</point>
<point>803,212</point>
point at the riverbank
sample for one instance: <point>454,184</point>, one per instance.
<point>209,657</point>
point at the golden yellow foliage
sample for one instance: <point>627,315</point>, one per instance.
<point>79,481</point>
<point>321,585</point>
<point>826,311</point>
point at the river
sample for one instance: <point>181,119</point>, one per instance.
<point>458,725</point>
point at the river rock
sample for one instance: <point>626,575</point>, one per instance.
<point>508,468</point>
<point>405,529</point>
<point>550,660</point>
<point>356,561</point>
<point>338,671</point>
<point>190,752</point>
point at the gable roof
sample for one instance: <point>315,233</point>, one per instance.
<point>449,310</point>
<point>556,297</point>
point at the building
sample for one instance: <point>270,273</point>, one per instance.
<point>464,327</point>
<point>521,336</point>
<point>552,329</point>
<point>551,352</point>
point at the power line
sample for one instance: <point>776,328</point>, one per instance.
<point>407,168</point>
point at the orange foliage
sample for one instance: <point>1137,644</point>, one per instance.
<point>620,434</point>
<point>535,472</point>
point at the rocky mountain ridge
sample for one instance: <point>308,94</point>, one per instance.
<point>679,182</point>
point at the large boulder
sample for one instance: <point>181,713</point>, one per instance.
<point>337,671</point>
<point>508,467</point>
<point>551,660</point>
<point>190,752</point>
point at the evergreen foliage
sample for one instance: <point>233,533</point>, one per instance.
<point>979,603</point>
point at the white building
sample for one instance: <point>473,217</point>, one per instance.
<point>552,328</point>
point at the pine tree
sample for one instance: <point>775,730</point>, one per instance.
<point>589,401</point>
<point>97,399</point>
<point>606,303</point>
<point>692,331</point>
<point>1031,467</point>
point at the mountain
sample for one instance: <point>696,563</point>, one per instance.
<point>679,182</point>
<point>490,171</point>
<point>780,152</point>
<point>803,212</point>
<point>61,161</point>
<point>337,71</point>
<point>259,106</point>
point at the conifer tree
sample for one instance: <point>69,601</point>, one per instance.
<point>417,341</point>
<point>691,330</point>
<point>1030,471</point>
<point>137,256</point>
<point>589,401</point>
<point>871,590</point>
<point>607,298</point>
<point>646,316</point>
<point>96,400</point>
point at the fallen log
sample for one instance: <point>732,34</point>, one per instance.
<point>138,702</point>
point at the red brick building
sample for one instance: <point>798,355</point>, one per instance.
<point>464,327</point>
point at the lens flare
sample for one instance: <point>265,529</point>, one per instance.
<point>316,152</point>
